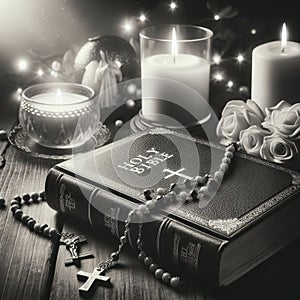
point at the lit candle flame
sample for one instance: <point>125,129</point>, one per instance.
<point>283,38</point>
<point>174,45</point>
<point>58,97</point>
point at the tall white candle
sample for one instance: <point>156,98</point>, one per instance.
<point>276,72</point>
<point>189,70</point>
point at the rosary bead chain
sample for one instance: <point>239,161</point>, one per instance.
<point>114,256</point>
<point>2,202</point>
<point>201,188</point>
<point>205,187</point>
<point>154,268</point>
<point>31,223</point>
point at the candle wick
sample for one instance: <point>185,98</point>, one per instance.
<point>283,49</point>
<point>174,59</point>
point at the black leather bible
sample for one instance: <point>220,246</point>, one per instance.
<point>253,215</point>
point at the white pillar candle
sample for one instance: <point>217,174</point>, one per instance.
<point>276,72</point>
<point>175,84</point>
<point>188,69</point>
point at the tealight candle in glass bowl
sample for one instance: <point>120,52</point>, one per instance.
<point>59,115</point>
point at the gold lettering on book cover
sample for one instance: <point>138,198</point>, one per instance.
<point>65,199</point>
<point>111,220</point>
<point>190,254</point>
<point>144,162</point>
<point>69,201</point>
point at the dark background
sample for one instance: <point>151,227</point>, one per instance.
<point>46,26</point>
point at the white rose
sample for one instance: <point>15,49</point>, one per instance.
<point>278,149</point>
<point>252,138</point>
<point>236,116</point>
<point>285,119</point>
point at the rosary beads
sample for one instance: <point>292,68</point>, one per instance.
<point>154,268</point>
<point>30,222</point>
<point>201,188</point>
<point>70,240</point>
<point>2,202</point>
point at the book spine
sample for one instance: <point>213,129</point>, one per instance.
<point>179,248</point>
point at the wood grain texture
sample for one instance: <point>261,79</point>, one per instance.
<point>31,267</point>
<point>130,279</point>
<point>25,257</point>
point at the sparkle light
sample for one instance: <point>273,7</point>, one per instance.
<point>173,5</point>
<point>253,31</point>
<point>19,91</point>
<point>53,73</point>
<point>240,58</point>
<point>217,17</point>
<point>127,26</point>
<point>142,18</point>
<point>217,59</point>
<point>218,77</point>
<point>22,65</point>
<point>40,72</point>
<point>230,84</point>
<point>131,89</point>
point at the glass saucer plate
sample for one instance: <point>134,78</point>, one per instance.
<point>20,139</point>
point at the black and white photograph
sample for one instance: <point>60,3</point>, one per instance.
<point>149,149</point>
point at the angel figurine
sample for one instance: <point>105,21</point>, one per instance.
<point>103,78</point>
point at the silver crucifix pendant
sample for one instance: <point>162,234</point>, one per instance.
<point>72,244</point>
<point>91,278</point>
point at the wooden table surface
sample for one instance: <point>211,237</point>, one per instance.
<point>32,267</point>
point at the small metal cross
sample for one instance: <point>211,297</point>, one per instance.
<point>72,245</point>
<point>91,278</point>
<point>76,260</point>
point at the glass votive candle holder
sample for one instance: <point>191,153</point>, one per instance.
<point>175,69</point>
<point>59,115</point>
